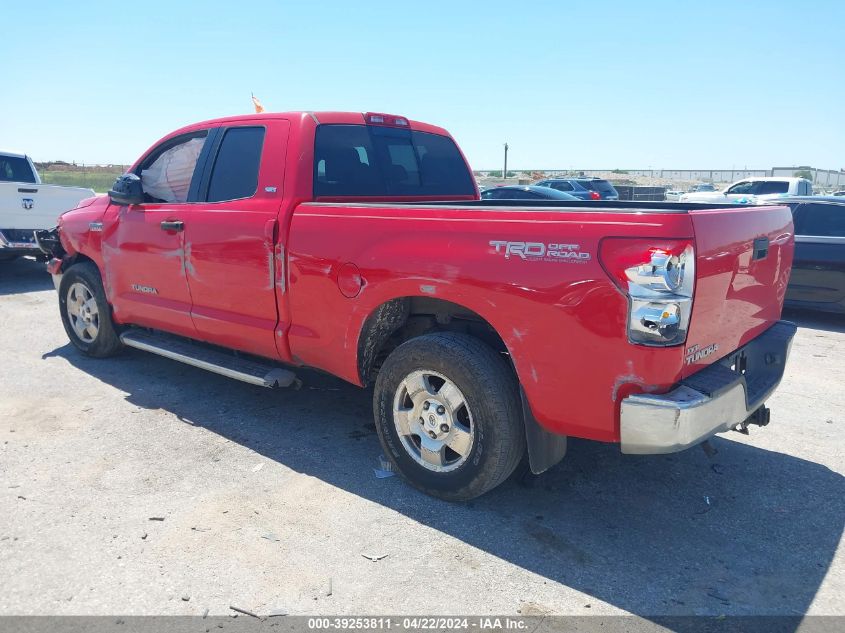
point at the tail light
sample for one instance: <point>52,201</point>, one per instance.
<point>658,277</point>
<point>595,195</point>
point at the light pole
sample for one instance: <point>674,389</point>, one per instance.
<point>505,170</point>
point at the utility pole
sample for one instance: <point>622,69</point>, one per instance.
<point>505,170</point>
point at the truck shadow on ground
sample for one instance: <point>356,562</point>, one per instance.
<point>23,275</point>
<point>750,531</point>
<point>826,321</point>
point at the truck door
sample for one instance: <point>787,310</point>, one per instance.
<point>230,237</point>
<point>818,269</point>
<point>144,245</point>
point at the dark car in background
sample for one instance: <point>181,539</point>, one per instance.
<point>582,188</point>
<point>818,269</point>
<point>525,192</point>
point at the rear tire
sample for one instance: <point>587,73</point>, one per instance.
<point>448,415</point>
<point>85,312</point>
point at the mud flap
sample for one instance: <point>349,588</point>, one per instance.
<point>544,449</point>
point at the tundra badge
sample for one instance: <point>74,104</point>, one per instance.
<point>695,352</point>
<point>148,290</point>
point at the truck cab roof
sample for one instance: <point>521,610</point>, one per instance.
<point>317,118</point>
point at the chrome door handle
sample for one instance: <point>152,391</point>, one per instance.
<point>172,225</point>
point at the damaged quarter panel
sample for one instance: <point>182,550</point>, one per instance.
<point>533,274</point>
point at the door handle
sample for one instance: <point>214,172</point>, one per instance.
<point>172,225</point>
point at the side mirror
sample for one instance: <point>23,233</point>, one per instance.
<point>127,190</point>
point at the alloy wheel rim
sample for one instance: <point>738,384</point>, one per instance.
<point>82,312</point>
<point>433,421</point>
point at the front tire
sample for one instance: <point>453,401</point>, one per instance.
<point>448,415</point>
<point>85,312</point>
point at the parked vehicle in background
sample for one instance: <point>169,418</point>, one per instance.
<point>27,205</point>
<point>524,192</point>
<point>839,193</point>
<point>818,269</point>
<point>703,188</point>
<point>673,195</point>
<point>582,188</point>
<point>356,244</point>
<point>754,190</point>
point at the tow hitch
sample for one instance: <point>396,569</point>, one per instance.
<point>760,417</point>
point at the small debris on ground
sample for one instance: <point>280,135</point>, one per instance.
<point>276,613</point>
<point>245,612</point>
<point>156,518</point>
<point>186,598</point>
<point>715,594</point>
<point>205,614</point>
<point>257,467</point>
<point>385,468</point>
<point>374,557</point>
<point>328,590</point>
<point>709,506</point>
<point>144,536</point>
<point>201,529</point>
<point>271,537</point>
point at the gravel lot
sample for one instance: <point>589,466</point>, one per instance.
<point>269,499</point>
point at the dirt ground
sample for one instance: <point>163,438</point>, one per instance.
<point>137,485</point>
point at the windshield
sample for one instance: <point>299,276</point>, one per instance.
<point>360,160</point>
<point>760,187</point>
<point>15,169</point>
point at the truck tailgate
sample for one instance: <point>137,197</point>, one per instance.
<point>743,259</point>
<point>36,206</point>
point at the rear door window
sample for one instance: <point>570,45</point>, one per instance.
<point>825,220</point>
<point>359,160</point>
<point>235,172</point>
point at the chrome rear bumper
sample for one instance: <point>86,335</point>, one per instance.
<point>714,400</point>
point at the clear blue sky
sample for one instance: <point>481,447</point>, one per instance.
<point>581,84</point>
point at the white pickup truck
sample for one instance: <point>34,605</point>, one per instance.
<point>754,190</point>
<point>27,205</point>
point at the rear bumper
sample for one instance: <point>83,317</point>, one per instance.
<point>714,400</point>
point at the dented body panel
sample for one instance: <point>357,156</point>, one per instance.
<point>325,282</point>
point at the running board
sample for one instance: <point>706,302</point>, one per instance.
<point>211,360</point>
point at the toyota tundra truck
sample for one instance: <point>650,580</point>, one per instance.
<point>489,330</point>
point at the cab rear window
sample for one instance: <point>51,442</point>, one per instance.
<point>15,169</point>
<point>372,161</point>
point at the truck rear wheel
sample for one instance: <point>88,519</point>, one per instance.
<point>448,414</point>
<point>86,315</point>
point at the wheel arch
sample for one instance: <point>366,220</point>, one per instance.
<point>402,318</point>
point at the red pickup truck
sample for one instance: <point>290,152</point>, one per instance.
<point>491,330</point>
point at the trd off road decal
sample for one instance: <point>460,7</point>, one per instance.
<point>540,251</point>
